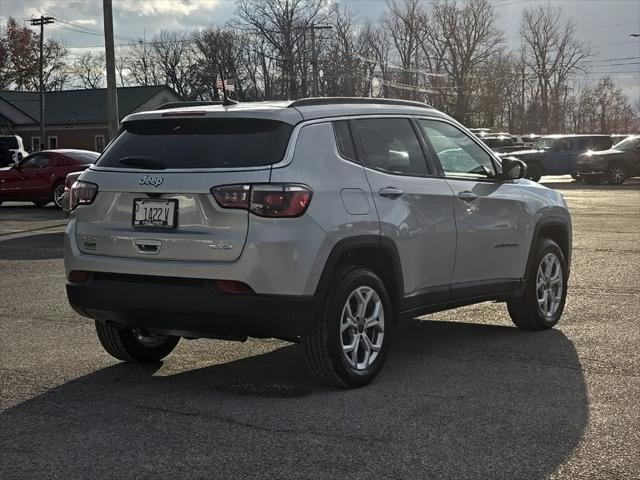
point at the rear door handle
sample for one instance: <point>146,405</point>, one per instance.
<point>467,196</point>
<point>390,192</point>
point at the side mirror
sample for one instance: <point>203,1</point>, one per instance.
<point>513,169</point>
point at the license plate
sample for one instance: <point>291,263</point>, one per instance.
<point>149,212</point>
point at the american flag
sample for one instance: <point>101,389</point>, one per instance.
<point>229,84</point>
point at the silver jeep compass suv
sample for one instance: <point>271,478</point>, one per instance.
<point>322,221</point>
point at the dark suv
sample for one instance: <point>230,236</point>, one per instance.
<point>614,165</point>
<point>557,154</point>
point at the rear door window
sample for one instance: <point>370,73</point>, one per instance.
<point>391,145</point>
<point>602,143</point>
<point>199,143</point>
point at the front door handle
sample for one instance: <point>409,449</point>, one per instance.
<point>467,196</point>
<point>390,192</point>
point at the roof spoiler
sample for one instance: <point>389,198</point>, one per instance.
<point>195,103</point>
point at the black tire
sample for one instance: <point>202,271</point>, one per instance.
<point>41,203</point>
<point>524,309</point>
<point>323,345</point>
<point>592,180</point>
<point>534,172</point>
<point>575,177</point>
<point>616,173</point>
<point>58,200</point>
<point>122,343</point>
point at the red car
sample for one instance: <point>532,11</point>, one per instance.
<point>39,177</point>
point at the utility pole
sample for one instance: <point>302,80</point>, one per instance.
<point>522,104</point>
<point>41,22</point>
<point>314,56</point>
<point>112,92</point>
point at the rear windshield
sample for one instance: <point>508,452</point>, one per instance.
<point>199,143</point>
<point>10,142</point>
<point>83,157</point>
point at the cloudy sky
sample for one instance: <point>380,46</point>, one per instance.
<point>605,24</point>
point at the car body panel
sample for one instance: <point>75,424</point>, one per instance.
<point>562,157</point>
<point>596,163</point>
<point>493,234</point>
<point>441,241</point>
<point>35,177</point>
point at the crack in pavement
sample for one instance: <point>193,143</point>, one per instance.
<point>238,423</point>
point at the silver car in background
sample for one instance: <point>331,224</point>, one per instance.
<point>323,221</point>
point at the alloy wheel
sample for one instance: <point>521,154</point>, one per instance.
<point>58,194</point>
<point>549,285</point>
<point>616,175</point>
<point>362,328</point>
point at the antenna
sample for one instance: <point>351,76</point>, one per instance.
<point>225,101</point>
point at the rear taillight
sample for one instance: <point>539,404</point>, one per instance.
<point>282,200</point>
<point>82,193</point>
<point>69,180</point>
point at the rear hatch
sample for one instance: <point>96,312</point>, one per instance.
<point>154,181</point>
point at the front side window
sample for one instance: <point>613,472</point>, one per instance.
<point>459,155</point>
<point>35,161</point>
<point>390,145</point>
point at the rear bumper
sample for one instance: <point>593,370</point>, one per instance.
<point>189,307</point>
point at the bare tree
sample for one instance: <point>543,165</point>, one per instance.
<point>346,71</point>
<point>552,54</point>
<point>218,49</point>
<point>174,55</point>
<point>469,38</point>
<point>404,22</point>
<point>88,69</point>
<point>377,41</point>
<point>142,65</point>
<point>283,25</point>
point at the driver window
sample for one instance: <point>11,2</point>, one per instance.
<point>391,145</point>
<point>31,162</point>
<point>36,161</point>
<point>459,155</point>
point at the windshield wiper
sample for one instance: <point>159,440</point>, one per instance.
<point>143,162</point>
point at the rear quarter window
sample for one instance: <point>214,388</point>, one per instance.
<point>344,140</point>
<point>200,142</point>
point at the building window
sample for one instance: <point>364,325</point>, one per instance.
<point>99,143</point>
<point>35,144</point>
<point>53,142</point>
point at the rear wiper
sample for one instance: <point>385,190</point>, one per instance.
<point>143,162</point>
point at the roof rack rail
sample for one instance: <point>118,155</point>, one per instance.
<point>194,103</point>
<point>308,102</point>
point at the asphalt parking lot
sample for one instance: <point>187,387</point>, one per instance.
<point>464,394</point>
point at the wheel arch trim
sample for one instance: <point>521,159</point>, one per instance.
<point>359,243</point>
